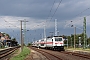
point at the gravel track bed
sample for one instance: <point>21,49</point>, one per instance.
<point>65,56</point>
<point>38,56</point>
<point>35,56</point>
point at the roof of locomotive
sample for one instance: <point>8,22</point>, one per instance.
<point>53,36</point>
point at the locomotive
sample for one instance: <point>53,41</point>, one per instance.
<point>54,43</point>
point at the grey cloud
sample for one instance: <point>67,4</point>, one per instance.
<point>24,8</point>
<point>41,8</point>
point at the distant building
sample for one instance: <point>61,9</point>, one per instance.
<point>2,37</point>
<point>6,37</point>
<point>5,41</point>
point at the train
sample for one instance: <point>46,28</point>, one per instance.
<point>54,43</point>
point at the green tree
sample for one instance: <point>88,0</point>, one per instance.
<point>14,39</point>
<point>71,39</point>
<point>29,44</point>
<point>5,34</point>
<point>88,40</point>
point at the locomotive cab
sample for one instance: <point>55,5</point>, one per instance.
<point>58,43</point>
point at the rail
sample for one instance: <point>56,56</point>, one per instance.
<point>6,52</point>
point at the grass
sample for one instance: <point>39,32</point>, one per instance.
<point>22,55</point>
<point>88,49</point>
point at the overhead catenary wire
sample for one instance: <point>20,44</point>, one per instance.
<point>56,9</point>
<point>47,19</point>
<point>9,26</point>
<point>9,22</point>
<point>52,15</point>
<point>7,29</point>
<point>51,9</point>
<point>81,13</point>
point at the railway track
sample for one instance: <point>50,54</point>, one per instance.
<point>6,52</point>
<point>87,56</point>
<point>81,55</point>
<point>49,56</point>
<point>64,55</point>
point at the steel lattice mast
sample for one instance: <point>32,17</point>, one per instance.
<point>84,31</point>
<point>55,27</point>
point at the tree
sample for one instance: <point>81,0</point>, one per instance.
<point>14,39</point>
<point>77,40</point>
<point>29,44</point>
<point>88,40</point>
<point>5,34</point>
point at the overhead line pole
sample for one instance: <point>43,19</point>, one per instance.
<point>45,29</point>
<point>84,31</point>
<point>55,27</point>
<point>74,37</point>
<point>22,39</point>
<point>25,29</point>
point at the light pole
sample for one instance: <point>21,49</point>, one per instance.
<point>74,35</point>
<point>71,41</point>
<point>67,43</point>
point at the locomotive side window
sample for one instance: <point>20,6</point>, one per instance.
<point>52,39</point>
<point>58,39</point>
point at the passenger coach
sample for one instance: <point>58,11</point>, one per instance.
<point>55,43</point>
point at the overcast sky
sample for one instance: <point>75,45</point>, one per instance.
<point>37,12</point>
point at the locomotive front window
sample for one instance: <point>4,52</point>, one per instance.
<point>42,40</point>
<point>42,44</point>
<point>58,39</point>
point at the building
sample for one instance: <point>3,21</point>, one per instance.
<point>6,42</point>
